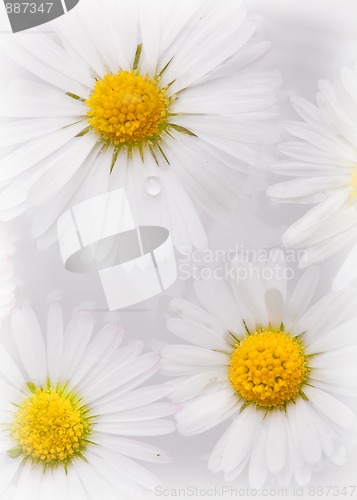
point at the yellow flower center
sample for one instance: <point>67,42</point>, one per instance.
<point>353,184</point>
<point>126,108</point>
<point>50,427</point>
<point>268,368</point>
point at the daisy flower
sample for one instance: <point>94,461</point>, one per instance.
<point>322,158</point>
<point>7,280</point>
<point>152,96</point>
<point>70,407</point>
<point>277,365</point>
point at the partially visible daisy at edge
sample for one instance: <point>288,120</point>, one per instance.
<point>72,409</point>
<point>322,158</point>
<point>155,97</point>
<point>8,281</point>
<point>279,370</point>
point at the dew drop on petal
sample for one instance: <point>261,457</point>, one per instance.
<point>153,186</point>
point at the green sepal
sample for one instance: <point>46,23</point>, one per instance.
<point>84,131</point>
<point>32,387</point>
<point>74,96</point>
<point>137,56</point>
<point>182,130</point>
<point>14,452</point>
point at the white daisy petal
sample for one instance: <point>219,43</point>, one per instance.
<point>334,357</point>
<point>300,188</point>
<point>194,356</point>
<point>52,54</point>
<point>150,20</point>
<point>285,430</point>
<point>325,315</point>
<point>185,388</point>
<point>75,486</point>
<point>339,457</point>
<point>299,168</point>
<point>319,229</point>
<point>304,431</point>
<point>28,475</point>
<point>206,183</point>
<point>348,81</point>
<point>337,338</point>
<point>137,450</point>
<point>115,481</point>
<point>276,445</point>
<point>93,482</point>
<point>120,375</point>
<point>258,470</point>
<point>151,412</point>
<point>250,291</point>
<point>329,246</point>
<point>30,343</point>
<point>231,475</point>
<point>9,394</point>
<point>61,172</point>
<point>302,151</point>
<point>33,152</point>
<point>216,298</point>
<point>8,282</point>
<point>334,114</point>
<point>322,139</point>
<point>98,351</point>
<point>191,312</point>
<point>76,339</point>
<point>54,342</point>
<point>337,377</point>
<point>284,477</point>
<point>9,369</point>
<point>244,430</point>
<point>33,64</point>
<point>323,164</point>
<point>186,14</point>
<point>335,385</point>
<point>43,224</point>
<point>306,110</point>
<point>83,41</point>
<point>206,412</point>
<point>197,48</point>
<point>348,271</point>
<point>196,333</point>
<point>195,58</point>
<point>7,474</point>
<point>252,51</point>
<point>275,305</point>
<point>132,470</point>
<point>331,407</point>
<point>86,447</point>
<point>137,399</point>
<point>159,427</point>
<point>302,473</point>
<point>303,293</point>
<point>330,439</point>
<point>25,130</point>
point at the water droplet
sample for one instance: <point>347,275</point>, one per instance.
<point>153,186</point>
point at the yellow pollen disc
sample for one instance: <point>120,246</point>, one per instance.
<point>127,108</point>
<point>50,427</point>
<point>353,184</point>
<point>268,368</point>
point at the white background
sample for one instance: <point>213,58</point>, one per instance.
<point>312,39</point>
